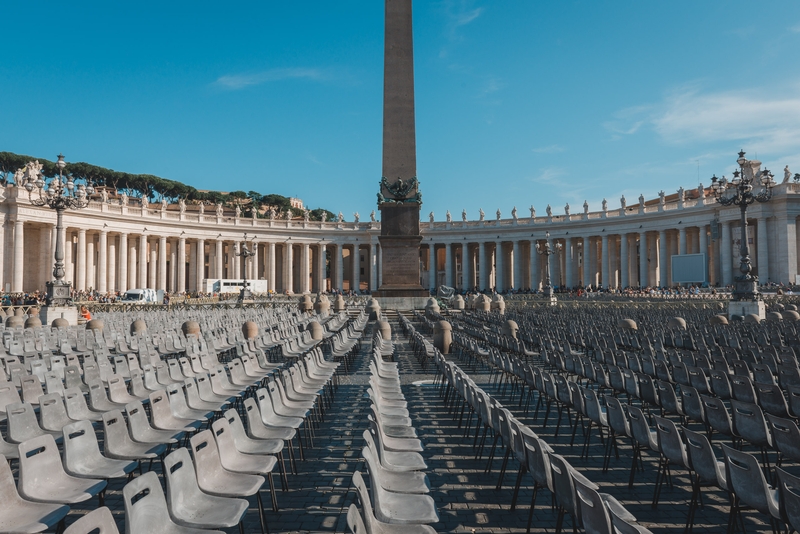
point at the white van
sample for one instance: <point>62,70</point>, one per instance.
<point>144,296</point>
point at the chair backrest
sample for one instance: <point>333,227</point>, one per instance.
<point>640,429</point>
<point>745,478</point>
<point>39,461</point>
<point>669,441</point>
<point>355,522</point>
<point>98,521</point>
<point>749,422</point>
<point>563,485</point>
<point>181,479</point>
<point>591,509</point>
<point>145,505</point>
<point>616,417</point>
<point>789,498</point>
<point>22,423</point>
<point>785,436</point>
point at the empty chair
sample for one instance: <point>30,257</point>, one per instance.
<point>163,417</point>
<point>52,413</point>
<point>789,498</point>
<point>692,407</point>
<point>141,430</point>
<point>742,389</point>
<point>22,423</point>
<point>19,515</point>
<point>146,508</point>
<point>642,438</point>
<point>370,524</point>
<point>749,423</point>
<point>673,452</point>
<point>408,482</point>
<point>748,485</point>
<point>213,479</point>
<point>718,417</point>
<point>77,409</point>
<point>401,508</point>
<point>785,437</point>
<point>42,477</point>
<point>118,391</point>
<point>82,456</point>
<point>98,521</point>
<point>397,461</point>
<point>118,444</point>
<point>189,506</point>
<point>248,445</point>
<point>771,399</point>
<point>592,507</point>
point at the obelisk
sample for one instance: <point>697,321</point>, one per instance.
<point>399,198</point>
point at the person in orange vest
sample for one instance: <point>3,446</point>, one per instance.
<point>85,313</point>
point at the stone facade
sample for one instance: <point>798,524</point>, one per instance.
<point>115,247</point>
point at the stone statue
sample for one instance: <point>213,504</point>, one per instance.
<point>163,204</point>
<point>641,200</point>
<point>464,215</point>
<point>219,209</point>
<point>622,202</point>
<point>585,206</point>
<point>237,211</point>
<point>533,212</point>
<point>681,195</point>
<point>482,214</point>
<point>549,211</point>
<point>324,216</point>
<point>356,217</point>
<point>19,177</point>
<point>104,195</point>
<point>566,209</point>
<point>145,203</point>
<point>182,205</point>
<point>306,214</point>
<point>340,217</point>
<point>448,216</point>
<point>701,192</point>
<point>430,216</point>
<point>202,208</point>
<point>661,198</point>
<point>605,205</point>
<point>289,214</point>
<point>372,216</point>
<point>272,213</point>
<point>498,214</point>
<point>514,213</point>
<point>254,211</point>
<point>123,199</point>
<point>787,175</point>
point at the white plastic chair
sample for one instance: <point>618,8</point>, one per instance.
<point>19,515</point>
<point>82,456</point>
<point>99,521</point>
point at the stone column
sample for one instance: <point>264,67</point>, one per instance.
<point>785,230</point>
<point>152,274</point>
<point>536,277</point>
<point>662,258</point>
<point>256,272</point>
<point>181,265</point>
<point>19,256</point>
<point>90,280</point>
<point>517,282</point>
<point>432,267</point>
<point>218,258</point>
<point>142,261</point>
<point>271,268</point>
<point>727,260</point>
<point>339,267</point>
<point>112,264</point>
<point>484,267</point>
<point>173,265</point>
<point>80,260</point>
<point>568,265</point>
<point>162,263</point>
<point>289,271</point>
<point>201,264</point>
<point>643,263</point>
<point>499,266</point>
<point>321,263</point>
<point>3,253</point>
<point>588,266</point>
<point>102,262</point>
<point>305,269</point>
<point>448,265</point>
<point>122,283</point>
<point>605,267</point>
<point>466,267</point>
<point>237,261</point>
<point>762,250</point>
<point>624,279</point>
<point>380,264</point>
<point>682,240</point>
<point>132,263</point>
<point>373,266</point>
<point>703,248</point>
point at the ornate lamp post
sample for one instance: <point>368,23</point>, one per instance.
<point>740,192</point>
<point>546,251</point>
<point>245,253</point>
<point>59,193</point>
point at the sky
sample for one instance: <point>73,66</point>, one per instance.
<point>517,103</point>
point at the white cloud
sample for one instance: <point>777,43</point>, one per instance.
<point>239,81</point>
<point>549,149</point>
<point>759,117</point>
<point>464,18</point>
<point>795,28</point>
<point>458,15</point>
<point>550,175</point>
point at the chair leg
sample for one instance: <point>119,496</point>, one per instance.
<point>533,505</point>
<point>522,471</point>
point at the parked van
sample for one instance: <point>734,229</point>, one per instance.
<point>144,296</point>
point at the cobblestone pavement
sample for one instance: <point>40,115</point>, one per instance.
<point>465,494</point>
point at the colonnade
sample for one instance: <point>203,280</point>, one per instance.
<point>113,247</point>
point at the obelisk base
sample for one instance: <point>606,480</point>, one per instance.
<point>400,267</point>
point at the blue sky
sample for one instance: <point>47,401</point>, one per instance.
<point>518,103</point>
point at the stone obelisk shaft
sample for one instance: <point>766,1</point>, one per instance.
<point>399,135</point>
<point>399,205</point>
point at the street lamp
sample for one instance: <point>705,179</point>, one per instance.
<point>245,253</point>
<point>739,192</point>
<point>546,251</point>
<point>59,193</point>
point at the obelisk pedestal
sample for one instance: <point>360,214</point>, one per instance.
<point>399,198</point>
